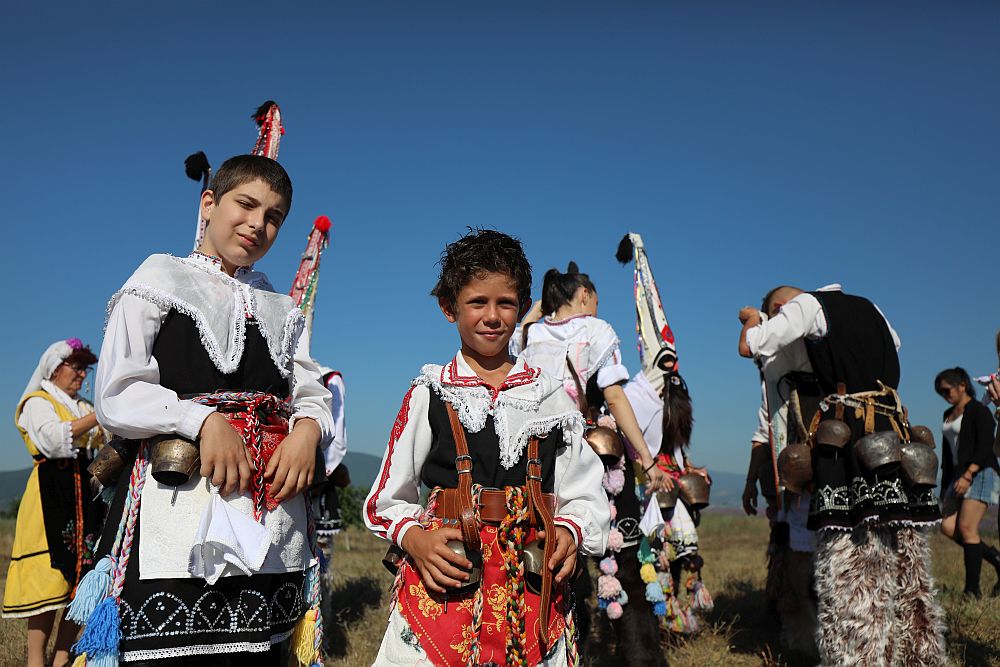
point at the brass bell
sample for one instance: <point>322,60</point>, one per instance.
<point>475,573</point>
<point>879,451</point>
<point>833,433</point>
<point>107,466</point>
<point>534,565</point>
<point>922,434</point>
<point>174,459</point>
<point>795,467</point>
<point>694,490</point>
<point>919,464</point>
<point>607,444</point>
<point>667,501</point>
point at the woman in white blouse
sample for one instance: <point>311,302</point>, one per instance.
<point>57,522</point>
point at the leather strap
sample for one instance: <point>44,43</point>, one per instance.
<point>538,507</point>
<point>492,505</point>
<point>581,395</point>
<point>463,465</point>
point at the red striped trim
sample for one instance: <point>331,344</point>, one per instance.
<point>399,526</point>
<point>527,375</point>
<point>397,431</point>
<point>579,533</point>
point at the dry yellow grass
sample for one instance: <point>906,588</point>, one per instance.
<point>737,633</point>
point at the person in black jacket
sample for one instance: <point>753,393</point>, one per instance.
<point>969,472</point>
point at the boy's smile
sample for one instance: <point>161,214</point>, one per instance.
<point>243,224</point>
<point>486,312</point>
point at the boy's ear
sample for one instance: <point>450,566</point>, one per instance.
<point>207,204</point>
<point>525,307</point>
<point>448,309</point>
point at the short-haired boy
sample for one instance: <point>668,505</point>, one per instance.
<point>201,347</point>
<point>526,468</point>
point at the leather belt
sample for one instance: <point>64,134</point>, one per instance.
<point>492,505</point>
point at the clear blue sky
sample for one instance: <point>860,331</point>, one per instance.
<point>749,143</point>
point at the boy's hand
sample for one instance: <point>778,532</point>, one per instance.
<point>657,480</point>
<point>438,566</point>
<point>564,553</point>
<point>749,314</point>
<point>290,470</point>
<point>224,457</point>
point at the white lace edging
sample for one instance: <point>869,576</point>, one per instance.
<point>281,350</point>
<point>570,423</point>
<point>206,649</point>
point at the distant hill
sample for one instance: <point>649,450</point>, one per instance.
<point>363,467</point>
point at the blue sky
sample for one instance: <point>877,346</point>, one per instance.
<point>749,143</point>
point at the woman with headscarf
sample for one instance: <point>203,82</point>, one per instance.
<point>58,522</point>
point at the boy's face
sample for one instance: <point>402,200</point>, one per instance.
<point>486,312</point>
<point>243,224</point>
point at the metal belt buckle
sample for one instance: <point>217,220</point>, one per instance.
<point>487,488</point>
<point>537,462</point>
<point>460,458</point>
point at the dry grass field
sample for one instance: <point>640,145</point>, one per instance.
<point>737,633</point>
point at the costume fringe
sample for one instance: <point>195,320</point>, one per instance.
<point>920,620</point>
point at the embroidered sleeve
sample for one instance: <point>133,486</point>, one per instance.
<point>393,506</point>
<point>607,358</point>
<point>52,436</point>
<point>582,504</point>
<point>128,397</point>
<point>310,398</point>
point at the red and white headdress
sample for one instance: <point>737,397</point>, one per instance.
<point>306,280</point>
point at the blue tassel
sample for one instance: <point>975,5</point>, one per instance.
<point>654,593</point>
<point>102,634</point>
<point>94,587</point>
<point>602,603</point>
<point>660,608</point>
<point>103,661</point>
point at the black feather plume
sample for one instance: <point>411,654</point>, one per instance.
<point>196,166</point>
<point>262,110</point>
<point>572,268</point>
<point>625,250</point>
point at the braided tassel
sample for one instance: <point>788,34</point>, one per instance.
<point>511,535</point>
<point>94,587</point>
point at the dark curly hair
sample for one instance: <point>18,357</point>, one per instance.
<point>478,252</point>
<point>81,358</point>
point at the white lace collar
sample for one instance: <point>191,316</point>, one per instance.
<point>220,306</point>
<point>62,397</point>
<point>528,403</point>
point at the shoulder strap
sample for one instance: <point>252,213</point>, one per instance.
<point>581,394</point>
<point>537,505</point>
<point>463,465</point>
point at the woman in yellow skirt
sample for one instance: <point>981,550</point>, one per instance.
<point>58,522</point>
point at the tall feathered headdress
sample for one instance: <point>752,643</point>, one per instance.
<point>269,133</point>
<point>306,281</point>
<point>657,350</point>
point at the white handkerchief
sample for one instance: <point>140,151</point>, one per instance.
<point>227,536</point>
<point>652,519</point>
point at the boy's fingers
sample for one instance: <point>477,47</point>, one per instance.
<point>449,556</point>
<point>567,568</point>
<point>246,474</point>
<point>448,570</point>
<point>272,465</point>
<point>218,475</point>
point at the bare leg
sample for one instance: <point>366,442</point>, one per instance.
<point>65,636</point>
<point>39,628</point>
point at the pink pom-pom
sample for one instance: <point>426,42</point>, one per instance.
<point>609,565</point>
<point>614,481</point>
<point>614,512</point>
<point>607,421</point>
<point>75,343</point>
<point>616,540</point>
<point>322,223</point>
<point>614,611</point>
<point>608,587</point>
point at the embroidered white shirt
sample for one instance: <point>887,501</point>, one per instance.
<point>529,403</point>
<point>52,436</point>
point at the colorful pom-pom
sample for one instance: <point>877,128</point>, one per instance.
<point>654,593</point>
<point>614,512</point>
<point>608,587</point>
<point>647,573</point>
<point>322,223</point>
<point>614,481</point>
<point>660,608</point>
<point>615,611</point>
<point>93,587</point>
<point>666,582</point>
<point>75,343</point>
<point>701,600</point>
<point>616,540</point>
<point>623,598</point>
<point>609,565</point>
<point>102,634</point>
<point>602,603</point>
<point>607,421</point>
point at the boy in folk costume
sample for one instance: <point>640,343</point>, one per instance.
<point>499,445</point>
<point>202,348</point>
<point>873,581</point>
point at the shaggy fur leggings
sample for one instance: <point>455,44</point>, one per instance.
<point>876,599</point>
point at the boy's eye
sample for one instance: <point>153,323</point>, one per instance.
<point>245,204</point>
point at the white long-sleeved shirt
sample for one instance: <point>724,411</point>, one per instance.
<point>338,446</point>
<point>588,342</point>
<point>51,435</point>
<point>529,403</point>
<point>801,317</point>
<point>131,403</point>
